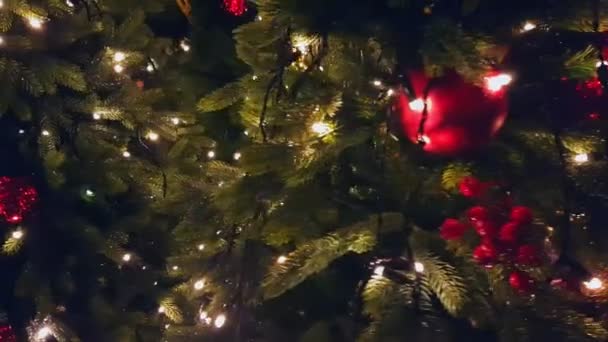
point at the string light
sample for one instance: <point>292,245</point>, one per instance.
<point>175,121</point>
<point>203,315</point>
<point>390,92</point>
<point>528,26</point>
<point>1,3</point>
<point>201,247</point>
<point>379,271</point>
<point>46,133</point>
<point>150,67</point>
<point>321,128</point>
<point>254,77</point>
<point>126,257</point>
<point>43,333</point>
<point>153,136</point>
<point>96,116</point>
<point>581,158</point>
<point>377,83</point>
<point>175,268</point>
<point>236,155</point>
<point>497,82</point>
<point>161,309</point>
<point>185,45</point>
<point>211,154</point>
<point>21,131</point>
<point>69,3</point>
<point>1,40</point>
<point>199,284</point>
<point>594,284</point>
<point>118,68</point>
<point>220,320</point>
<point>119,56</point>
<point>599,63</point>
<point>281,260</point>
<point>126,154</point>
<point>259,18</point>
<point>17,234</point>
<point>35,23</point>
<point>89,193</point>
<point>417,105</point>
<point>418,267</point>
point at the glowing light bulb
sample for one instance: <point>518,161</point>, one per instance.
<point>150,67</point>
<point>17,234</point>
<point>528,26</point>
<point>185,45</point>
<point>89,193</point>
<point>35,23</point>
<point>126,257</point>
<point>46,133</point>
<point>581,158</point>
<point>69,3</point>
<point>21,131</point>
<point>118,68</point>
<point>321,128</point>
<point>254,77</point>
<point>44,333</point>
<point>96,116</point>
<point>153,136</point>
<point>211,154</point>
<point>281,260</point>
<point>594,284</point>
<point>200,284</point>
<point>390,92</point>
<point>379,271</point>
<point>497,82</point>
<point>161,309</point>
<point>417,105</point>
<point>599,63</point>
<point>119,56</point>
<point>201,247</point>
<point>418,267</point>
<point>126,154</point>
<point>203,315</point>
<point>175,268</point>
<point>260,18</point>
<point>1,40</point>
<point>175,121</point>
<point>1,3</point>
<point>219,321</point>
<point>236,155</point>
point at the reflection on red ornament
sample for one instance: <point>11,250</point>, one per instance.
<point>17,197</point>
<point>7,334</point>
<point>594,116</point>
<point>235,7</point>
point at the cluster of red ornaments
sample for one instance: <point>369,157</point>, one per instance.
<point>17,197</point>
<point>235,7</point>
<point>503,231</point>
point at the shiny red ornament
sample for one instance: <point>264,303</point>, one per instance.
<point>485,229</point>
<point>461,117</point>
<point>521,214</point>
<point>17,197</point>
<point>472,187</point>
<point>521,282</point>
<point>452,229</point>
<point>236,7</point>
<point>528,255</point>
<point>509,232</point>
<point>7,334</point>
<point>478,213</point>
<point>485,254</point>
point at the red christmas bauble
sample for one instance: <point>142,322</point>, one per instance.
<point>472,187</point>
<point>452,229</point>
<point>521,282</point>
<point>462,117</point>
<point>478,213</point>
<point>485,229</point>
<point>521,215</point>
<point>509,232</point>
<point>528,255</point>
<point>17,197</point>
<point>485,254</point>
<point>235,7</point>
<point>7,334</point>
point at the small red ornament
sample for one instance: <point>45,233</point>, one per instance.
<point>235,7</point>
<point>522,215</point>
<point>17,197</point>
<point>521,282</point>
<point>452,229</point>
<point>509,232</point>
<point>478,213</point>
<point>528,255</point>
<point>485,254</point>
<point>461,117</point>
<point>472,187</point>
<point>485,229</point>
<point>7,334</point>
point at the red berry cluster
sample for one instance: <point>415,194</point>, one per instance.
<point>17,197</point>
<point>501,229</point>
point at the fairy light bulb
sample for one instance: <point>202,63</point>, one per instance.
<point>497,82</point>
<point>1,3</point>
<point>126,154</point>
<point>175,121</point>
<point>320,128</point>
<point>199,284</point>
<point>35,23</point>
<point>89,193</point>
<point>46,133</point>
<point>96,116</point>
<point>377,83</point>
<point>599,63</point>
<point>1,40</point>
<point>581,158</point>
<point>126,257</point>
<point>418,267</point>
<point>417,105</point>
<point>69,3</point>
<point>201,247</point>
<point>379,271</point>
<point>153,136</point>
<point>43,333</point>
<point>281,260</point>
<point>17,234</point>
<point>118,68</point>
<point>119,56</point>
<point>594,284</point>
<point>254,77</point>
<point>175,268</point>
<point>528,26</point>
<point>237,156</point>
<point>219,321</point>
<point>211,154</point>
<point>185,45</point>
<point>161,309</point>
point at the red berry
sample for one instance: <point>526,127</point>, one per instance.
<point>485,229</point>
<point>528,255</point>
<point>478,212</point>
<point>521,214</point>
<point>485,254</point>
<point>472,187</point>
<point>521,282</point>
<point>509,232</point>
<point>452,229</point>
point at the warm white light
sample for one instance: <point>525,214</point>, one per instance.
<point>35,23</point>
<point>46,133</point>
<point>581,158</point>
<point>211,154</point>
<point>184,45</point>
<point>199,285</point>
<point>175,121</point>
<point>1,40</point>
<point>44,332</point>
<point>599,63</point>
<point>152,136</point>
<point>254,77</point>
<point>321,128</point>
<point>17,234</point>
<point>69,3</point>
<point>236,155</point>
<point>390,92</point>
<point>1,3</point>
<point>379,271</point>
<point>497,82</point>
<point>21,131</point>
<point>594,284</point>
<point>417,105</point>
<point>528,26</point>
<point>119,68</point>
<point>260,18</point>
<point>220,320</point>
<point>161,309</point>
<point>175,268</point>
<point>126,154</point>
<point>201,247</point>
<point>203,315</point>
<point>150,67</point>
<point>96,116</point>
<point>377,83</point>
<point>418,267</point>
<point>281,260</point>
<point>126,257</point>
<point>119,56</point>
<point>89,193</point>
